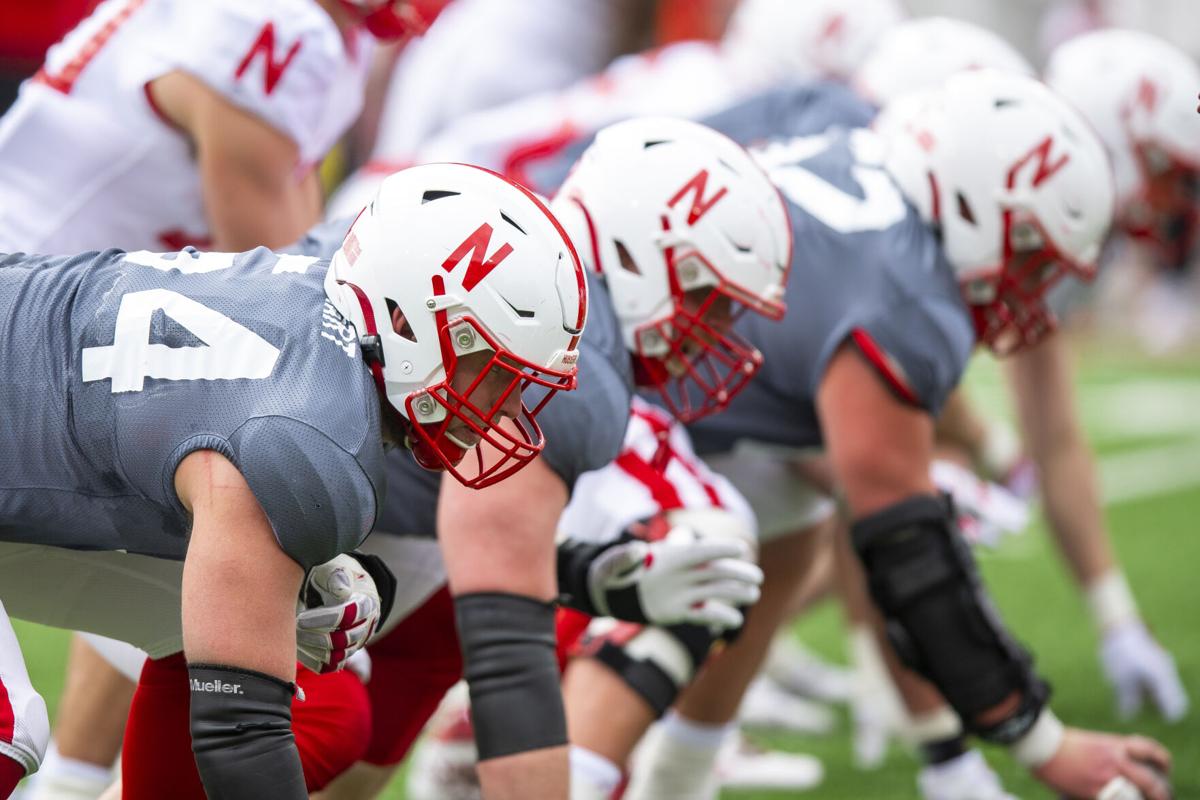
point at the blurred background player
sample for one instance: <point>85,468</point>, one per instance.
<point>169,124</point>
<point>768,41</point>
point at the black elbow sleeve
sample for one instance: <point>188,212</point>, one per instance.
<point>242,734</point>
<point>508,645</point>
<point>939,618</point>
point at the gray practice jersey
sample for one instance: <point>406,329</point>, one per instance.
<point>787,110</point>
<point>583,429</point>
<point>116,366</point>
<point>865,268</point>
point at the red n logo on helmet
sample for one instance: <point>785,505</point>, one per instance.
<point>477,244</point>
<point>700,204</point>
<point>1045,167</point>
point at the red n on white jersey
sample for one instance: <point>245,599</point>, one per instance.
<point>657,471</point>
<point>87,163</point>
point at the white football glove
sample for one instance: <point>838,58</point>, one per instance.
<point>986,511</point>
<point>1136,665</point>
<point>683,577</point>
<point>341,605</point>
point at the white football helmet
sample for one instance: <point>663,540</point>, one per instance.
<point>1016,182</point>
<point>1139,93</point>
<point>687,231</point>
<point>921,53</point>
<point>805,39</point>
<point>448,261</point>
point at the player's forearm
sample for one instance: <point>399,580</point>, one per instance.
<point>245,213</point>
<point>1042,380</point>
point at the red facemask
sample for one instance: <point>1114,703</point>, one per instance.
<point>1166,213</point>
<point>500,440</point>
<point>396,19</point>
<point>705,363</point>
<point>1015,315</point>
<point>479,419</point>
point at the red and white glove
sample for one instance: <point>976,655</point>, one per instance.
<point>686,577</point>
<point>987,512</point>
<point>342,602</point>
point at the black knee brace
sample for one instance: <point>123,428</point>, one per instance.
<point>655,675</point>
<point>939,617</point>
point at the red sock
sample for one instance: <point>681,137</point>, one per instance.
<point>11,774</point>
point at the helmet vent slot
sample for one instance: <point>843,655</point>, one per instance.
<point>405,329</point>
<point>964,209</point>
<point>509,220</point>
<point>653,143</point>
<point>434,194</point>
<point>626,258</point>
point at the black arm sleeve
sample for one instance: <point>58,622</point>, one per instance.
<point>574,559</point>
<point>242,734</point>
<point>509,663</point>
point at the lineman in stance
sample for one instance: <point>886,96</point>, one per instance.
<point>229,411</point>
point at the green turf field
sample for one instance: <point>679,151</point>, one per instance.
<point>1145,422</point>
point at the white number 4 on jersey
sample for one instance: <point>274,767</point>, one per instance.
<point>230,350</point>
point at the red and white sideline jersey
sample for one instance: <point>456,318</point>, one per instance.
<point>657,471</point>
<point>688,79</point>
<point>86,162</point>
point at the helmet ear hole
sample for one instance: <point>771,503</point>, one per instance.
<point>627,262</point>
<point>399,323</point>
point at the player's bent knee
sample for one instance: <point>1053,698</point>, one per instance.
<point>656,663</point>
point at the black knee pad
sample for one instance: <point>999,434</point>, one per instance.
<point>657,663</point>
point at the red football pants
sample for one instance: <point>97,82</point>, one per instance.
<point>332,727</point>
<point>412,668</point>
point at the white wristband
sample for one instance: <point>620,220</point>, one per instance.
<point>1040,743</point>
<point>1111,601</point>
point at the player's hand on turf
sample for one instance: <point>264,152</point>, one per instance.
<point>1137,666</point>
<point>1101,766</point>
<point>341,604</point>
<point>681,578</point>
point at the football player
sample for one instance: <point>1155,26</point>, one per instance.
<point>228,411</point>
<point>171,124</point>
<point>911,55</point>
<point>662,326</point>
<point>854,374</point>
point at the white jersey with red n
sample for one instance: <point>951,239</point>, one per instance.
<point>656,472</point>
<point>87,163</point>
<point>688,79</point>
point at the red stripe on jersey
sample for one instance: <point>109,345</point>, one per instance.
<point>64,81</point>
<point>8,720</point>
<point>883,362</point>
<point>661,490</point>
<point>709,489</point>
<point>520,157</point>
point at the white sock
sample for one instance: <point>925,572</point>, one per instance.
<point>677,759</point>
<point>593,777</point>
<point>62,778</point>
<point>698,736</point>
